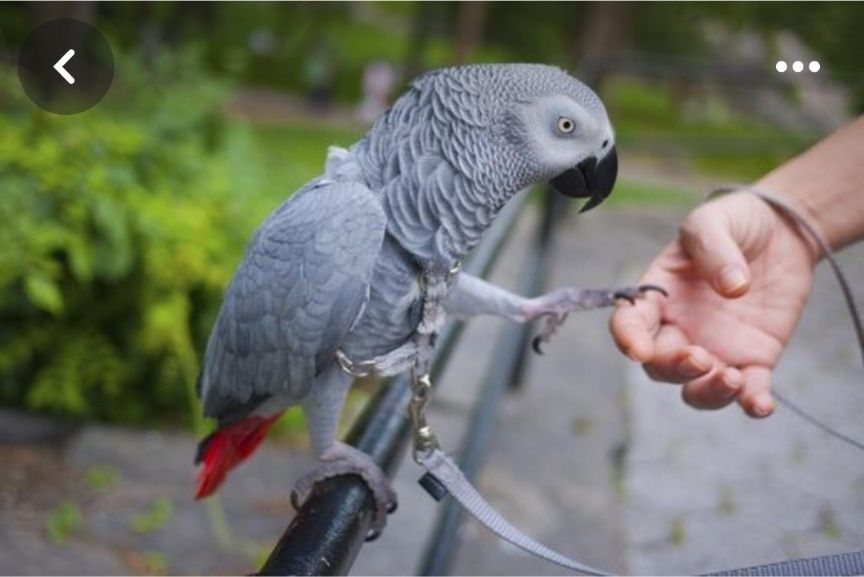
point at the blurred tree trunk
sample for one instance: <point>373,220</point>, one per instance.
<point>149,33</point>
<point>41,12</point>
<point>604,31</point>
<point>421,27</point>
<point>469,29</point>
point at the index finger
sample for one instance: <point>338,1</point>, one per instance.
<point>633,327</point>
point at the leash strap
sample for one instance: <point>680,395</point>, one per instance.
<point>840,564</point>
<point>444,476</point>
<point>446,472</point>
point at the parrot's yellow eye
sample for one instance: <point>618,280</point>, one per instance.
<point>565,125</point>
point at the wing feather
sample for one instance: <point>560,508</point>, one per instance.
<point>302,283</point>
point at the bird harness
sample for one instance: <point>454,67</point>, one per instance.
<point>414,355</point>
<point>443,475</point>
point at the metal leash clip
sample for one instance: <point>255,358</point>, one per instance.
<point>357,370</point>
<point>424,439</point>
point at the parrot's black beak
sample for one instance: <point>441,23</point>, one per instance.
<point>589,179</point>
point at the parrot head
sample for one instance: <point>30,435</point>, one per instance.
<point>566,135</point>
<point>462,141</point>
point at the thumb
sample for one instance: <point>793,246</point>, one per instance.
<point>707,238</point>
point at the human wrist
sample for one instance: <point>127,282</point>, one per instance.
<point>774,215</point>
<point>827,183</point>
<point>801,209</point>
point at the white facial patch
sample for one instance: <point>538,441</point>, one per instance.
<point>554,150</point>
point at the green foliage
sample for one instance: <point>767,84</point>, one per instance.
<point>548,32</point>
<point>102,477</point>
<point>653,118</point>
<point>121,228</point>
<point>677,532</point>
<point>63,522</point>
<point>155,562</point>
<point>291,154</point>
<point>829,523</point>
<point>291,425</point>
<point>154,518</point>
<point>831,29</point>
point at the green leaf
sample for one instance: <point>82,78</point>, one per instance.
<point>63,521</point>
<point>102,477</point>
<point>80,259</point>
<point>155,562</point>
<point>154,518</point>
<point>44,293</point>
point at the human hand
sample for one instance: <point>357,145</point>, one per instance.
<point>738,277</point>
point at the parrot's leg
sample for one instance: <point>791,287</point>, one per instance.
<point>473,296</point>
<point>556,305</point>
<point>323,407</point>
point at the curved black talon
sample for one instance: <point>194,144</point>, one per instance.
<point>535,344</point>
<point>295,501</point>
<point>391,508</point>
<point>624,296</point>
<point>372,535</point>
<point>653,287</point>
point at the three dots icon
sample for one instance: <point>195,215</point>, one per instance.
<point>797,66</point>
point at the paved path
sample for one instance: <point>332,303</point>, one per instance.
<point>589,457</point>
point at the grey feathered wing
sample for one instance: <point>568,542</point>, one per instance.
<point>302,283</point>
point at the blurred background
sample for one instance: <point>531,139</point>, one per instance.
<point>120,228</point>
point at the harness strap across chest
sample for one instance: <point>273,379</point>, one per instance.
<point>416,353</point>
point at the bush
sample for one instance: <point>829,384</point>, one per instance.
<point>120,229</point>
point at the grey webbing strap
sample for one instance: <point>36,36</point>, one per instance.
<point>447,472</point>
<point>840,564</point>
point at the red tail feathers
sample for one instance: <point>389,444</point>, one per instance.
<point>226,448</point>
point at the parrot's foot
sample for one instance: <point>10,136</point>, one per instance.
<point>342,459</point>
<point>556,305</point>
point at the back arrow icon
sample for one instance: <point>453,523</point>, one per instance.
<point>58,66</point>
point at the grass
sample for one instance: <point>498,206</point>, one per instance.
<point>290,155</point>
<point>155,563</point>
<point>633,193</point>
<point>102,477</point>
<point>154,518</point>
<point>719,142</point>
<point>677,532</point>
<point>64,521</point>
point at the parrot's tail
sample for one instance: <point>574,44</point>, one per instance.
<point>227,447</point>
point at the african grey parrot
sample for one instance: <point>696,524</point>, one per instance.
<point>357,270</point>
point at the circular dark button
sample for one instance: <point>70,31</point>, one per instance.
<point>65,66</point>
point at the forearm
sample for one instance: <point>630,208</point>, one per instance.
<point>827,181</point>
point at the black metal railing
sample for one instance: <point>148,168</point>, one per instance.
<point>325,536</point>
